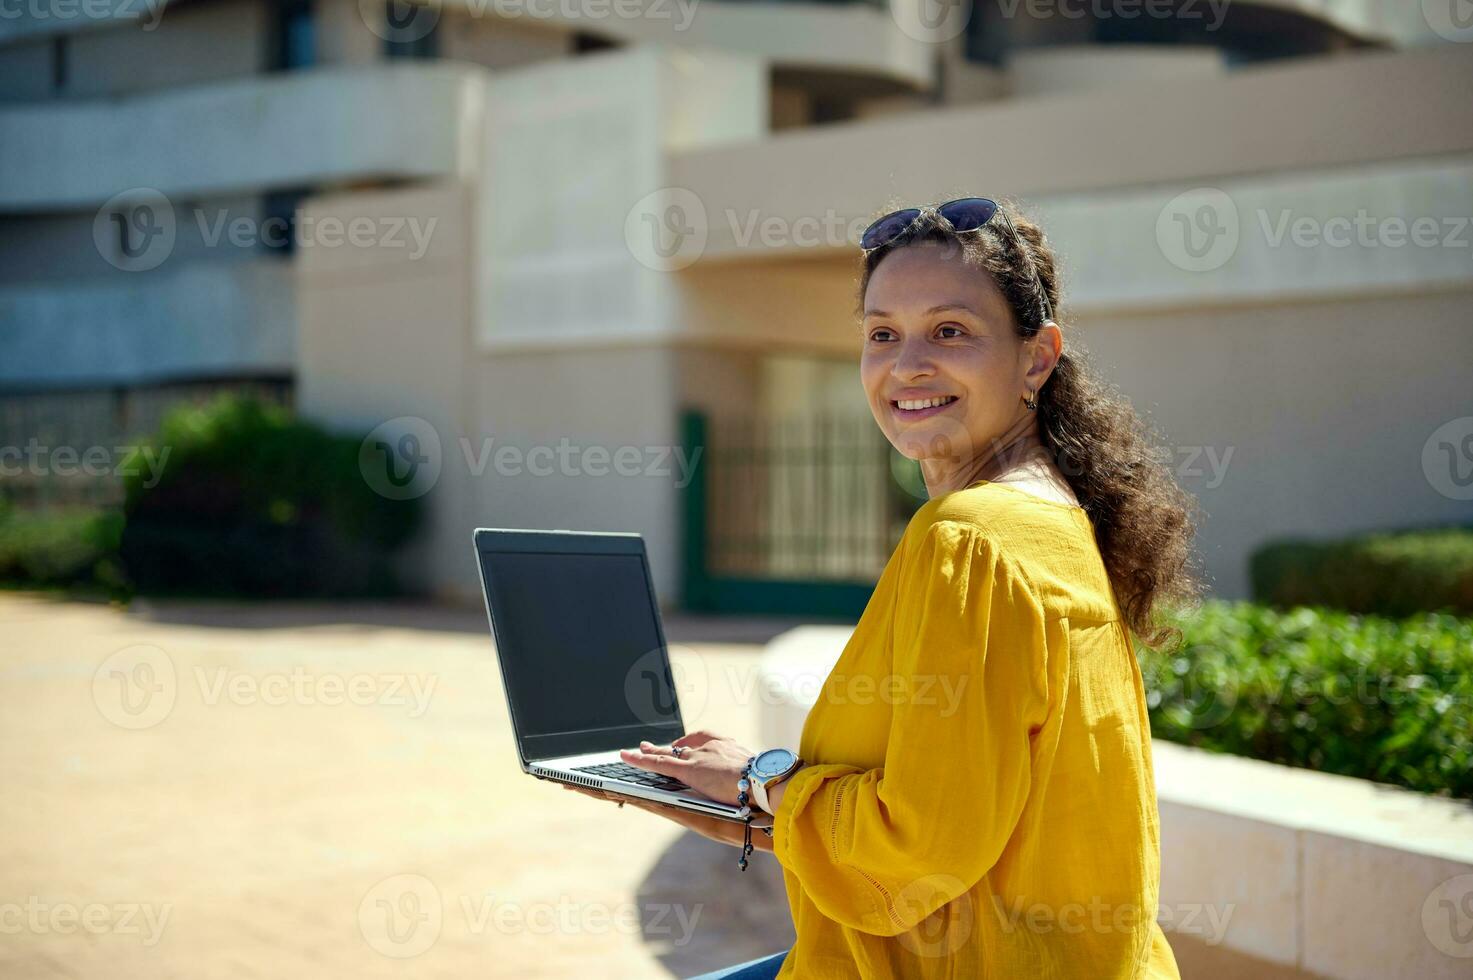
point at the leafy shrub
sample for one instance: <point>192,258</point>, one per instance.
<point>1381,699</point>
<point>62,548</point>
<point>253,501</point>
<point>1389,574</point>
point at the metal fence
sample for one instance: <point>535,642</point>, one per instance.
<point>789,514</point>
<point>63,449</point>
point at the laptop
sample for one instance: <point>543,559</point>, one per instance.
<point>584,661</point>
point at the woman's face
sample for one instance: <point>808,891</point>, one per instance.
<point>935,328</point>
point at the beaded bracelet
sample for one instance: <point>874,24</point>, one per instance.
<point>745,813</point>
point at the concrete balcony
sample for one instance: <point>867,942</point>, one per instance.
<point>1389,21</point>
<point>862,40</point>
<point>1121,221</point>
<point>308,128</point>
<point>807,34</point>
<point>203,319</point>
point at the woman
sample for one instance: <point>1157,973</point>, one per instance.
<point>995,814</point>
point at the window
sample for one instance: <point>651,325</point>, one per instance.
<point>294,44</point>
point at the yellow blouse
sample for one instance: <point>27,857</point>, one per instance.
<point>978,798</point>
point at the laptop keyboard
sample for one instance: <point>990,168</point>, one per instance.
<point>632,774</point>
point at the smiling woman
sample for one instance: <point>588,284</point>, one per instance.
<point>1024,406</point>
<point>1009,829</point>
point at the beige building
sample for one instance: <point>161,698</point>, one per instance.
<point>559,246</point>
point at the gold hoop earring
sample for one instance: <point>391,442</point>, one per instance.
<point>1031,402</point>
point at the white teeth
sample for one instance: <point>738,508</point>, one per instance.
<point>912,404</point>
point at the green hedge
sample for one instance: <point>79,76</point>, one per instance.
<point>1389,700</point>
<point>253,501</point>
<point>74,548</point>
<point>1389,574</point>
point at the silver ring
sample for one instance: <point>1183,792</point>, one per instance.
<point>677,751</point>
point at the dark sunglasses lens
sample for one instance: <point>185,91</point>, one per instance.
<point>968,214</point>
<point>888,227</point>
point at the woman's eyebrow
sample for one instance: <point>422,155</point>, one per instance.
<point>941,308</point>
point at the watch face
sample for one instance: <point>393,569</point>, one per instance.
<point>773,761</point>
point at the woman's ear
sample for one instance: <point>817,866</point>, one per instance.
<point>1044,349</point>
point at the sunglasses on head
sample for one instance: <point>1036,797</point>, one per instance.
<point>964,214</point>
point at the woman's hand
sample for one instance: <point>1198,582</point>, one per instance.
<point>721,831</point>
<point>709,764</point>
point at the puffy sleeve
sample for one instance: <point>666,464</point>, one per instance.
<point>879,850</point>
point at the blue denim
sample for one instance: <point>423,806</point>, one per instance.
<point>764,968</point>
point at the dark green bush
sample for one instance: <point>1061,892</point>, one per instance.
<point>253,501</point>
<point>59,549</point>
<point>1389,574</point>
<point>1381,699</point>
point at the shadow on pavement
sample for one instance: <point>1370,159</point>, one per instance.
<point>701,913</point>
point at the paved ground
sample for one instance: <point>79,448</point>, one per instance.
<point>306,791</point>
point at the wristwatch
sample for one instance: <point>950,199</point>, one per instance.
<point>769,769</point>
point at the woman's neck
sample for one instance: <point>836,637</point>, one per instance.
<point>1019,447</point>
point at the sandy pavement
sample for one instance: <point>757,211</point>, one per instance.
<point>203,791</point>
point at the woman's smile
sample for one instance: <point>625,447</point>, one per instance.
<point>913,408</point>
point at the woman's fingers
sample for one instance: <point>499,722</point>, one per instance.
<point>650,748</point>
<point>717,830</point>
<point>695,739</point>
<point>596,794</point>
<point>655,759</point>
<point>599,794</point>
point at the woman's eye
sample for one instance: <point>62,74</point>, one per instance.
<point>880,334</point>
<point>956,330</point>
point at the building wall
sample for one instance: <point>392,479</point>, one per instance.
<point>489,341</point>
<point>612,415</point>
<point>192,43</point>
<point>1297,419</point>
<point>382,346</point>
<point>540,316</point>
<point>1195,131</point>
<point>64,247</point>
<point>1306,416</point>
<point>1293,389</point>
<point>195,320</point>
<point>27,71</point>
<point>498,43</point>
<point>183,44</point>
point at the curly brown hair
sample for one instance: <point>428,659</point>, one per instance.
<point>1144,521</point>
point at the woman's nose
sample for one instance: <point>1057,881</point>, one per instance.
<point>912,361</point>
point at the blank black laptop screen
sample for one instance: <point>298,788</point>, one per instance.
<point>580,649</point>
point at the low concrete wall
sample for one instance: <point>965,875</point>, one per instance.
<point>1267,871</point>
